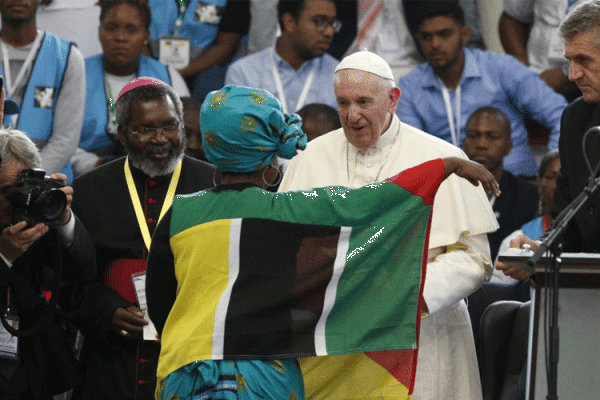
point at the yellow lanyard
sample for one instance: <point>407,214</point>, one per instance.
<point>137,206</point>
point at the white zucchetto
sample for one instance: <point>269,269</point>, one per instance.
<point>368,62</point>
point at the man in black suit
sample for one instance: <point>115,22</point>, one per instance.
<point>487,141</point>
<point>120,204</point>
<point>583,51</point>
<point>28,257</point>
<point>581,31</point>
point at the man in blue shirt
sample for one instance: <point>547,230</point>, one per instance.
<point>438,96</point>
<point>296,69</point>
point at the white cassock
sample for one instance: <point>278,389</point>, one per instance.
<point>458,262</point>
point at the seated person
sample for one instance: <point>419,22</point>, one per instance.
<point>487,141</point>
<point>191,125</point>
<point>529,31</point>
<point>534,229</point>
<point>514,284</point>
<point>46,85</point>
<point>318,119</point>
<point>212,30</point>
<point>296,69</point>
<point>438,96</point>
<point>123,34</point>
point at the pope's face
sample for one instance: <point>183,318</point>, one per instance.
<point>365,105</point>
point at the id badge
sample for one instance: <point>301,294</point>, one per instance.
<point>9,344</point>
<point>139,283</point>
<point>174,51</point>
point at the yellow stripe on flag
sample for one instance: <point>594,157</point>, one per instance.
<point>201,268</point>
<point>349,377</point>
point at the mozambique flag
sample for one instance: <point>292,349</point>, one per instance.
<point>310,273</point>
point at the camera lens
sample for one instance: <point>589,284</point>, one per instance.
<point>51,204</point>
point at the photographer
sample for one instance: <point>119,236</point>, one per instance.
<point>31,262</point>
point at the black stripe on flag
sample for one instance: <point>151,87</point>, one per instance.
<point>278,296</point>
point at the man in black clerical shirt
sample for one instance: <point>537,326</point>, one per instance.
<point>121,203</point>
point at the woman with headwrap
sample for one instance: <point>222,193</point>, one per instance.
<point>243,130</point>
<point>193,266</point>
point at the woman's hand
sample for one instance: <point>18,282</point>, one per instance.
<point>473,172</point>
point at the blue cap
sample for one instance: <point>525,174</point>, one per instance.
<point>11,107</point>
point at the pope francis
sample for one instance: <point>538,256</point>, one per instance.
<point>372,145</point>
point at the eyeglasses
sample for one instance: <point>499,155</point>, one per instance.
<point>113,30</point>
<point>169,131</point>
<point>323,23</point>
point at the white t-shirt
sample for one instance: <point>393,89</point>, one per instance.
<point>75,20</point>
<point>545,47</point>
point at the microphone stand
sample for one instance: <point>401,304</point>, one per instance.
<point>559,225</point>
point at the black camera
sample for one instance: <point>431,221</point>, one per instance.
<point>37,198</point>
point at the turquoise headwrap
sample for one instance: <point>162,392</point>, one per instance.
<point>244,128</point>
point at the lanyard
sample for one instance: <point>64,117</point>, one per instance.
<point>304,92</point>
<point>492,201</point>
<point>454,129</point>
<point>10,87</point>
<point>137,206</point>
<point>109,95</point>
<point>179,21</point>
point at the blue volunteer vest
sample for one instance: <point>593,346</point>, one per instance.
<point>37,115</point>
<point>164,15</point>
<point>93,133</point>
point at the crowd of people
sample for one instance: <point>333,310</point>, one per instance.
<point>177,157</point>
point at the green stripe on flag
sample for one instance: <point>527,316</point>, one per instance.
<point>332,206</point>
<point>378,293</point>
